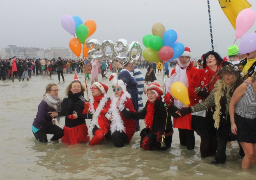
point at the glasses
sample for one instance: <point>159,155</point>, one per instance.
<point>55,90</point>
<point>116,89</point>
<point>151,93</point>
<point>93,88</point>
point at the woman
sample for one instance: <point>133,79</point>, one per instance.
<point>94,71</point>
<point>60,65</point>
<point>150,75</point>
<point>199,88</point>
<point>43,123</point>
<point>219,99</point>
<point>122,129</point>
<point>183,72</point>
<point>99,126</point>
<point>158,131</point>
<point>243,120</point>
<point>75,129</point>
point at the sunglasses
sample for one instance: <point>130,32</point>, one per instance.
<point>93,88</point>
<point>55,90</point>
<point>116,89</point>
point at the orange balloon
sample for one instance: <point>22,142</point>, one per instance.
<point>91,25</point>
<point>85,49</point>
<point>75,46</point>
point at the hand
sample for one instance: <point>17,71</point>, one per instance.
<point>204,93</point>
<point>117,103</point>
<point>184,111</point>
<point>249,80</point>
<point>53,114</point>
<point>233,128</point>
<point>174,111</point>
<point>75,115</point>
<point>53,122</point>
<point>110,118</point>
<point>148,74</point>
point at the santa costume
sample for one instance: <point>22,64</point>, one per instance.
<point>122,129</point>
<point>184,74</point>
<point>158,132</point>
<point>98,107</point>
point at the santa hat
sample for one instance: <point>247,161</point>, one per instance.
<point>116,82</point>
<point>187,52</point>
<point>102,87</point>
<point>156,88</point>
<point>76,78</point>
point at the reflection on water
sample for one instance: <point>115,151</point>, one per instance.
<point>22,157</point>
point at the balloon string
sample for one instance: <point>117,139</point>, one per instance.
<point>210,23</point>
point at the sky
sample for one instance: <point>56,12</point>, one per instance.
<point>37,23</point>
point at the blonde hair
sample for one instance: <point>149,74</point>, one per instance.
<point>70,85</point>
<point>49,87</point>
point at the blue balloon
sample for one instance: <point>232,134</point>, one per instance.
<point>169,37</point>
<point>78,20</point>
<point>178,49</point>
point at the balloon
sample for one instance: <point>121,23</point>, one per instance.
<point>86,49</point>
<point>96,47</point>
<point>91,25</point>
<point>77,20</point>
<point>82,33</point>
<point>166,53</point>
<point>248,43</point>
<point>121,47</point>
<point>104,46</point>
<point>150,55</point>
<point>180,92</point>
<point>169,38</point>
<point>146,40</point>
<point>134,55</point>
<point>75,46</point>
<point>155,42</point>
<point>244,21</point>
<point>68,24</point>
<point>177,36</point>
<point>158,29</point>
<point>178,49</point>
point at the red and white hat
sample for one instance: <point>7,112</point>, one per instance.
<point>156,88</point>
<point>76,78</point>
<point>187,52</point>
<point>103,88</point>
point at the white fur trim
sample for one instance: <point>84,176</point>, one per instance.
<point>96,114</point>
<point>152,86</point>
<point>117,123</point>
<point>186,53</point>
<point>155,93</point>
<point>100,87</point>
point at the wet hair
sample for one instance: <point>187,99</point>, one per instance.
<point>216,55</point>
<point>49,87</point>
<point>70,85</point>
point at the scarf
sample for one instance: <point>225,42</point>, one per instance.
<point>117,123</point>
<point>149,118</point>
<point>96,105</point>
<point>54,102</point>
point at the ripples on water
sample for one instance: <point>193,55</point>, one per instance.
<point>22,157</point>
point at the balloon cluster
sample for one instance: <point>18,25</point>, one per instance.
<point>162,45</point>
<point>75,26</point>
<point>244,22</point>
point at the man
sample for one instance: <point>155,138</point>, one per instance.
<point>140,84</point>
<point>43,66</point>
<point>60,64</point>
<point>3,69</point>
<point>131,86</point>
<point>103,68</point>
<point>233,54</point>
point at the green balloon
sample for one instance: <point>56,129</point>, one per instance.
<point>146,40</point>
<point>156,43</point>
<point>82,33</point>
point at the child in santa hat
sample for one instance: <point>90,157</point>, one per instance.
<point>158,131</point>
<point>122,128</point>
<point>96,110</point>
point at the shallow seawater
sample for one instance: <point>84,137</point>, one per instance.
<point>22,157</point>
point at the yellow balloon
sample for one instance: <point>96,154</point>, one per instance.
<point>180,92</point>
<point>158,29</point>
<point>150,55</point>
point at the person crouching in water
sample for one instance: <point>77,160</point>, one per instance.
<point>158,132</point>
<point>122,129</point>
<point>96,110</point>
<point>43,123</point>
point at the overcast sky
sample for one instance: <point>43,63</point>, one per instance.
<point>37,23</point>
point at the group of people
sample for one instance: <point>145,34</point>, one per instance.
<point>222,108</point>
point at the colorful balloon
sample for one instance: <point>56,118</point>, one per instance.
<point>86,49</point>
<point>248,43</point>
<point>150,55</point>
<point>75,46</point>
<point>77,20</point>
<point>177,36</point>
<point>178,49</point>
<point>91,25</point>
<point>170,37</point>
<point>180,92</point>
<point>244,21</point>
<point>158,29</point>
<point>146,40</point>
<point>166,53</point>
<point>82,33</point>
<point>156,43</point>
<point>68,24</point>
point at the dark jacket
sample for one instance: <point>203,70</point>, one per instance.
<point>59,64</point>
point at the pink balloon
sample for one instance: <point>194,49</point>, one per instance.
<point>166,53</point>
<point>177,36</point>
<point>244,21</point>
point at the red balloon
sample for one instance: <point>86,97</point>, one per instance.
<point>166,53</point>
